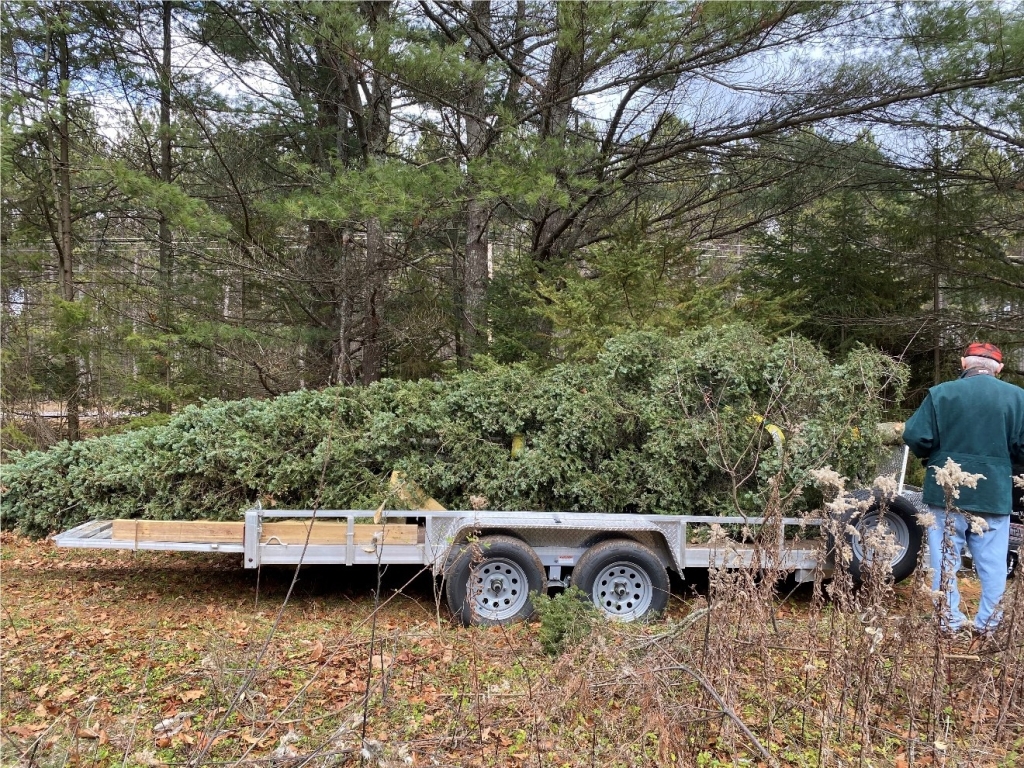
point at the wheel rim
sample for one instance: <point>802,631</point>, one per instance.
<point>499,588</point>
<point>897,527</point>
<point>623,591</point>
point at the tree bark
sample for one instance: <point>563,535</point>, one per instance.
<point>937,274</point>
<point>475,273</point>
<point>65,243</point>
<point>371,363</point>
<point>564,80</point>
<point>375,115</point>
<point>166,246</point>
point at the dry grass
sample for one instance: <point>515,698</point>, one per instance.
<point>147,659</point>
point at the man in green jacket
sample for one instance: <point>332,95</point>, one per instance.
<point>978,422</point>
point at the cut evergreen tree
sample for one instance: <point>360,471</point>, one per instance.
<point>694,424</point>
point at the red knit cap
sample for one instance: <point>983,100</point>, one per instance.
<point>980,349</point>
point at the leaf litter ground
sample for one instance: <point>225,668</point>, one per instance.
<point>118,658</point>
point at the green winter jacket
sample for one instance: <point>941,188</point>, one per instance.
<point>978,421</point>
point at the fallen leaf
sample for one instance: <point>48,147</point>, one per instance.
<point>27,730</point>
<point>318,651</point>
<point>41,690</point>
<point>192,695</point>
<point>66,695</point>
<point>87,733</point>
<point>205,742</point>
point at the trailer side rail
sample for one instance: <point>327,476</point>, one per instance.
<point>559,538</point>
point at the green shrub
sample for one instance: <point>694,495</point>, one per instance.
<point>565,619</point>
<point>654,425</point>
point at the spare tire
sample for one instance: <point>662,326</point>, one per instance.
<point>899,514</point>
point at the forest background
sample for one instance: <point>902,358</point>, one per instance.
<point>243,199</point>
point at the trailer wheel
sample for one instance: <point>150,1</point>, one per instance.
<point>900,517</point>
<point>490,581</point>
<point>624,579</point>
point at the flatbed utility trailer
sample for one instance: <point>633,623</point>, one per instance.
<point>491,561</point>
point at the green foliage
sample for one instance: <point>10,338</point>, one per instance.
<point>862,263</point>
<point>13,437</point>
<point>565,619</point>
<point>638,282</point>
<point>583,144</point>
<point>657,424</point>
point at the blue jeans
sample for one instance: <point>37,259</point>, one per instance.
<point>988,550</point>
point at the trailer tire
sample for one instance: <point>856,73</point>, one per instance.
<point>901,517</point>
<point>624,579</point>
<point>490,581</point>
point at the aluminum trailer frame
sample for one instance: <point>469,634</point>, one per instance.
<point>558,538</point>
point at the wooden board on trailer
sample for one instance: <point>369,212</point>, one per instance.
<point>284,532</point>
<point>192,531</point>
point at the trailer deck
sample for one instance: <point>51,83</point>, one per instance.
<point>349,537</point>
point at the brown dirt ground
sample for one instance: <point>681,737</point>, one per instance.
<point>167,659</point>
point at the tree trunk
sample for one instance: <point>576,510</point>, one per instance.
<point>937,315</point>
<point>374,282</point>
<point>937,255</point>
<point>474,275</point>
<point>166,251</point>
<point>375,116</point>
<point>65,247</point>
<point>563,83</point>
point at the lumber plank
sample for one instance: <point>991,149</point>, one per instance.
<point>285,532</point>
<point>327,532</point>
<point>192,531</point>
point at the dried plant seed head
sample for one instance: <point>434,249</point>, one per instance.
<point>978,525</point>
<point>883,545</point>
<point>952,478</point>
<point>1018,480</point>
<point>926,519</point>
<point>827,478</point>
<point>842,504</point>
<point>887,485</point>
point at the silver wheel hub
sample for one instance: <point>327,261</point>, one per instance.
<point>622,591</point>
<point>499,588</point>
